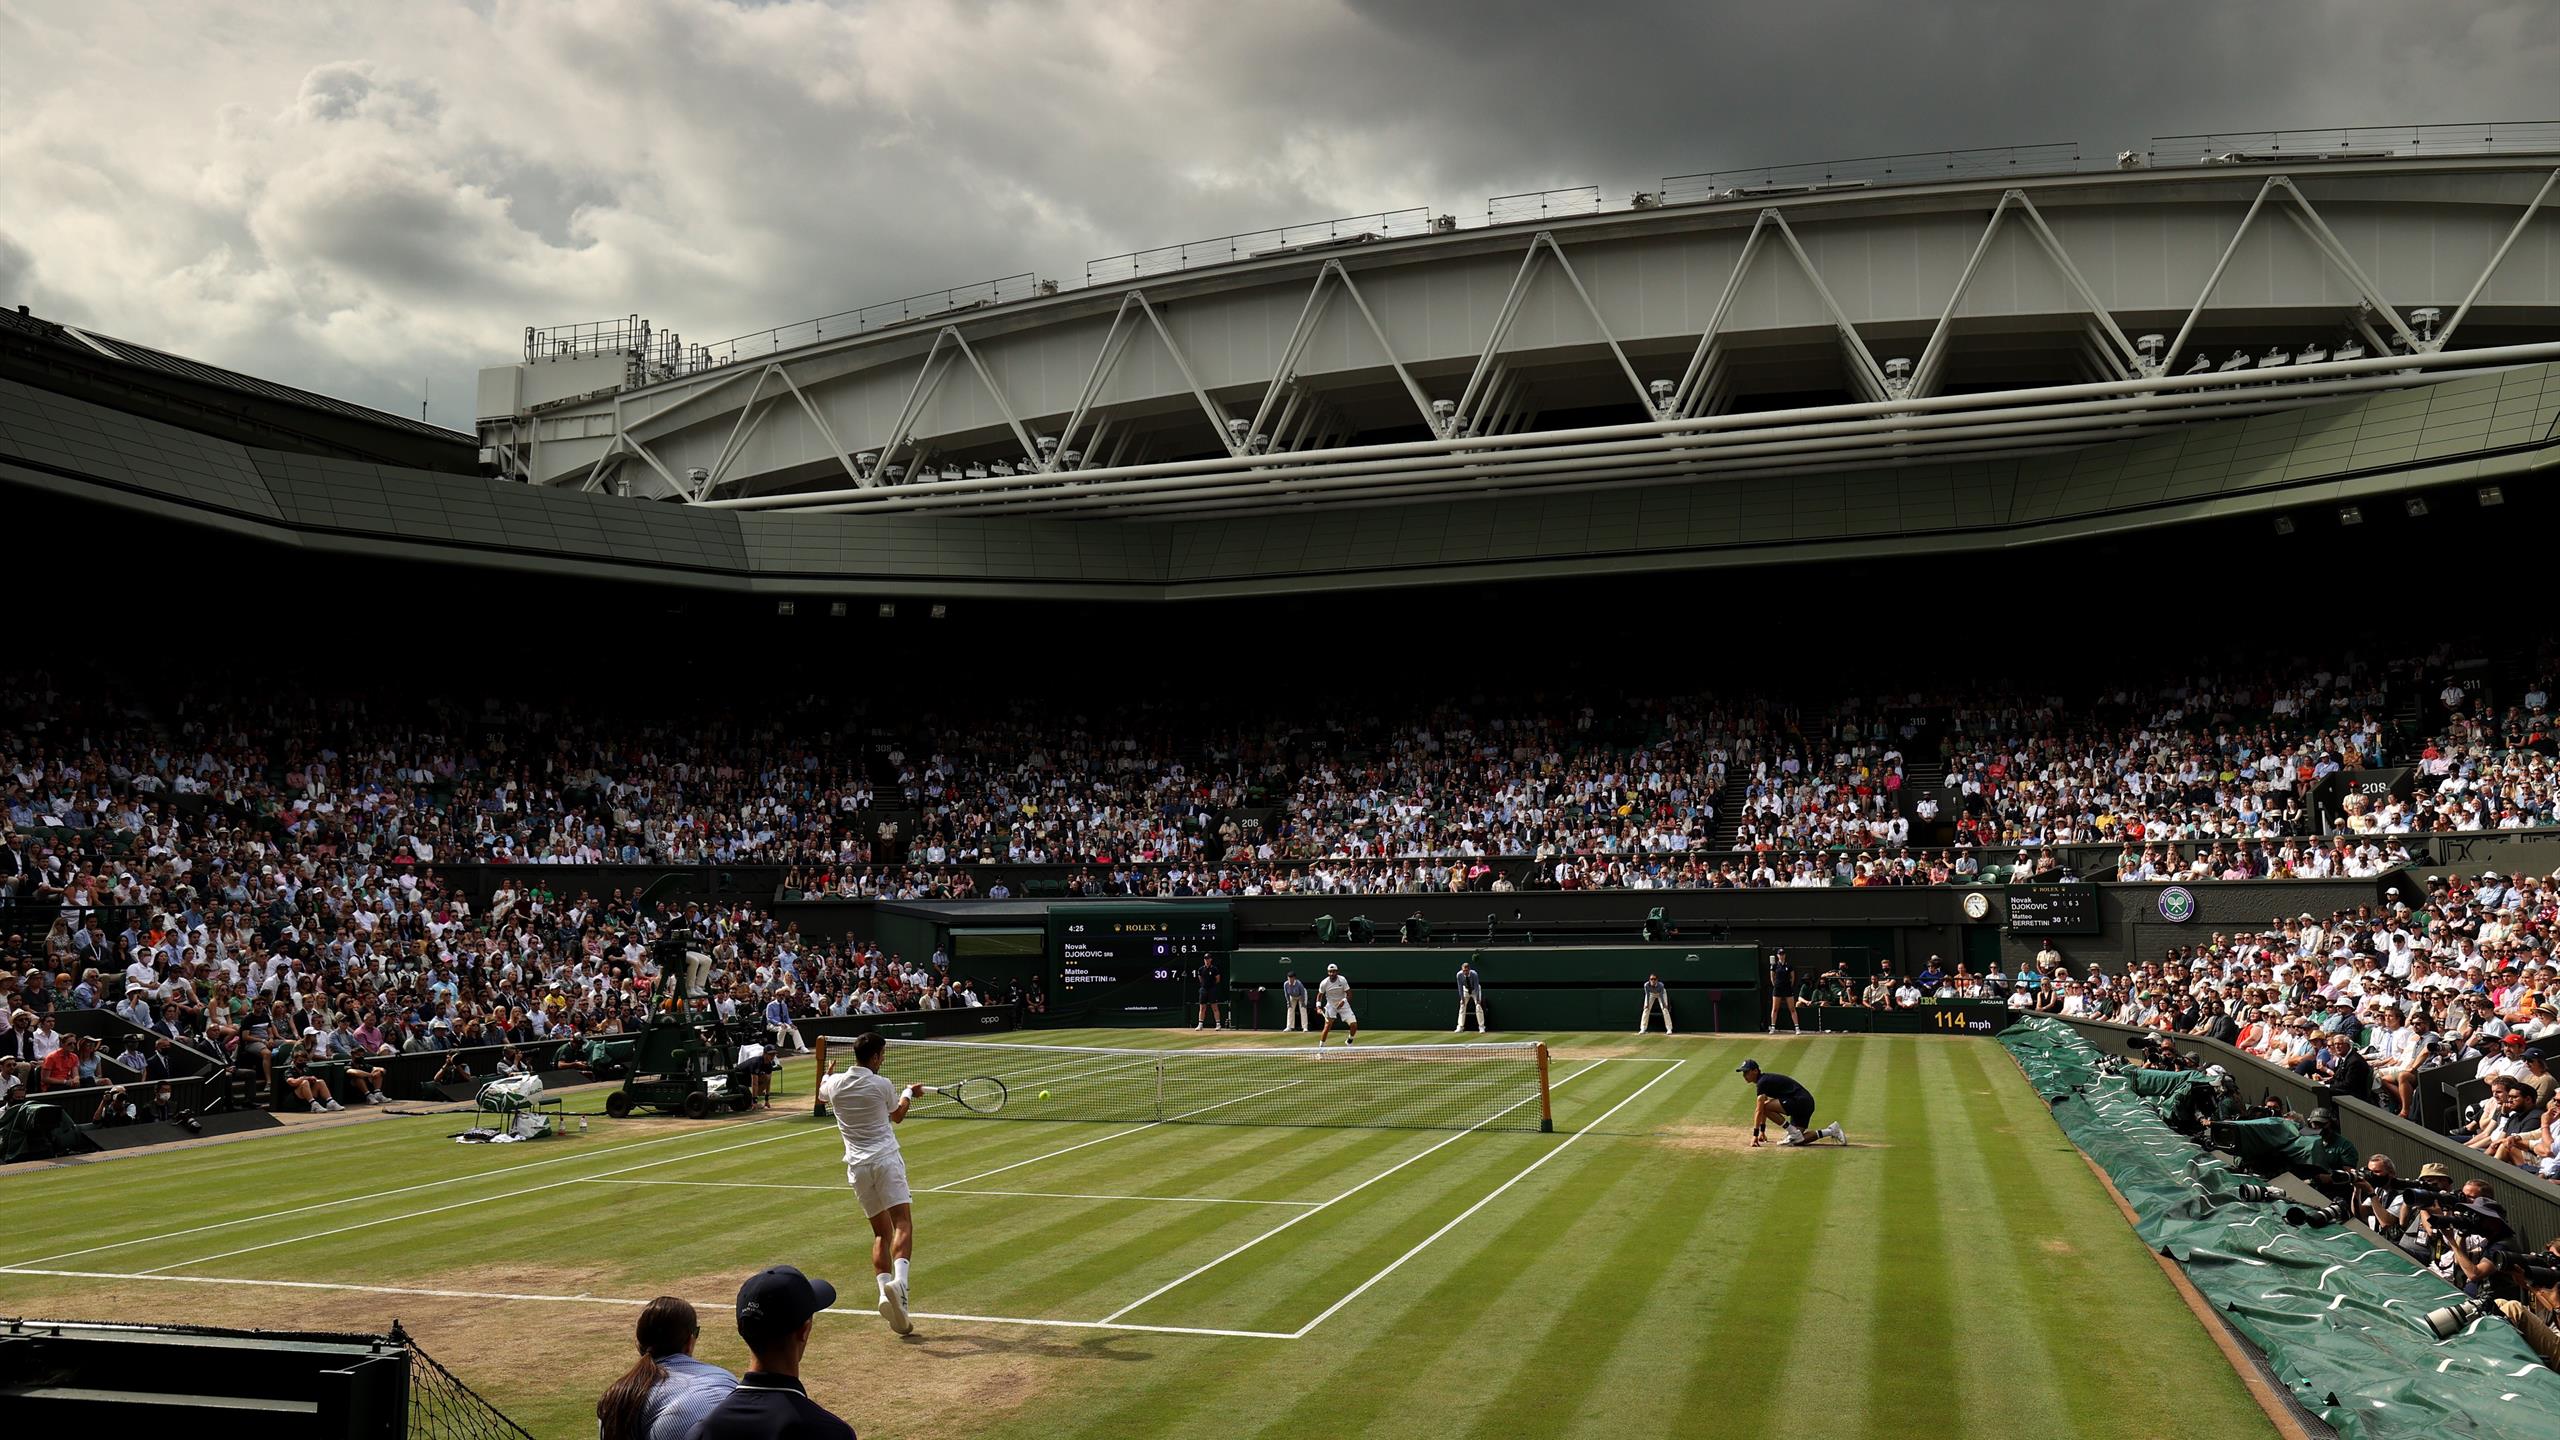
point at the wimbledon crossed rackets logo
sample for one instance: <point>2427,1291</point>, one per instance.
<point>2177,906</point>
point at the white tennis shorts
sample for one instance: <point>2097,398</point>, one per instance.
<point>879,1182</point>
<point>1340,1012</point>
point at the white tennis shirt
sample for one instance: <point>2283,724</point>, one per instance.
<point>862,1100</point>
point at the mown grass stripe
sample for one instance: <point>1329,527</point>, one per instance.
<point>1598,1320</point>
<point>2124,1352</point>
<point>1742,1378</point>
<point>1911,1339</point>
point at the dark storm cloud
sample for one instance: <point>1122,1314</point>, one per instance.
<point>353,196</point>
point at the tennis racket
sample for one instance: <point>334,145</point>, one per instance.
<point>983,1094</point>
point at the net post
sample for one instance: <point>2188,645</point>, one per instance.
<point>818,1063</point>
<point>1546,1102</point>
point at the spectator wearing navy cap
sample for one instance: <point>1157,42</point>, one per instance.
<point>777,1310</point>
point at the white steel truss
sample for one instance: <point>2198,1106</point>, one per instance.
<point>2115,355</point>
<point>1833,436</point>
<point>1866,377</point>
<point>1293,444</point>
<point>1542,246</point>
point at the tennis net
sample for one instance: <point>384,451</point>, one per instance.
<point>1455,1086</point>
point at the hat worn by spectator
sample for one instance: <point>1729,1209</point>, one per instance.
<point>774,1302</point>
<point>2434,1170</point>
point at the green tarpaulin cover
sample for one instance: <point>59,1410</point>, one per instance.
<point>2339,1316</point>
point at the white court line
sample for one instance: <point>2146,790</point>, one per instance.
<point>482,1200</point>
<point>1487,1200</point>
<point>1311,1213</point>
<point>1117,1134</point>
<point>1018,1194</point>
<point>1168,1199</point>
<point>499,1172</point>
<point>627,1304</point>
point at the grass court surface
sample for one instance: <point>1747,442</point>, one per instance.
<point>1956,1269</point>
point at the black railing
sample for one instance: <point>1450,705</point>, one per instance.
<point>2357,142</point>
<point>2055,158</point>
<point>1542,205</point>
<point>1286,239</point>
<point>931,305</point>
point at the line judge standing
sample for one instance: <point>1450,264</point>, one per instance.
<point>1657,996</point>
<point>1294,991</point>
<point>1470,995</point>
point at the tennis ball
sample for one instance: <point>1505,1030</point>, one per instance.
<point>1044,1094</point>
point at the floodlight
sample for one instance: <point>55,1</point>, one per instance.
<point>2311,354</point>
<point>2201,365</point>
<point>2274,359</point>
<point>2151,346</point>
<point>2352,350</point>
<point>2350,515</point>
<point>2492,495</point>
<point>2284,525</point>
<point>888,611</point>
<point>785,607</point>
<point>2239,361</point>
<point>2425,318</point>
<point>2416,506</point>
<point>835,609</point>
<point>939,612</point>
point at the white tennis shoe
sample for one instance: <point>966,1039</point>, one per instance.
<point>893,1307</point>
<point>1834,1131</point>
<point>1796,1136</point>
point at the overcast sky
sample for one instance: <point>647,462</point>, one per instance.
<point>364,197</point>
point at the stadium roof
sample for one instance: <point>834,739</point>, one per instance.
<point>209,398</point>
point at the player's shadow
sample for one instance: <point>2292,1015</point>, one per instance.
<point>1098,1347</point>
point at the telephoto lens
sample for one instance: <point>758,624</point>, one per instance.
<point>2448,1322</point>
<point>2261,1193</point>
<point>2325,1215</point>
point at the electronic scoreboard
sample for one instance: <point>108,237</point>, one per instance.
<point>1136,962</point>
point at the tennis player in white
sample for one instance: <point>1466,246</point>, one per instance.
<point>1333,997</point>
<point>868,1107</point>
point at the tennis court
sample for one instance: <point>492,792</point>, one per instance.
<point>1627,1241</point>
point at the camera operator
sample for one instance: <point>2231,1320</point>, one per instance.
<point>2466,1238</point>
<point>2274,1143</point>
<point>2535,1308</point>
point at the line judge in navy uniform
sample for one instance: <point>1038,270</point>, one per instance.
<point>777,1309</point>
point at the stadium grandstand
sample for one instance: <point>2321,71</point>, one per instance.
<point>2072,598</point>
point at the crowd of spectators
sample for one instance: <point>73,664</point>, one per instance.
<point>2459,983</point>
<point>2210,779</point>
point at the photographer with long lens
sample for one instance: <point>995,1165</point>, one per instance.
<point>2272,1143</point>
